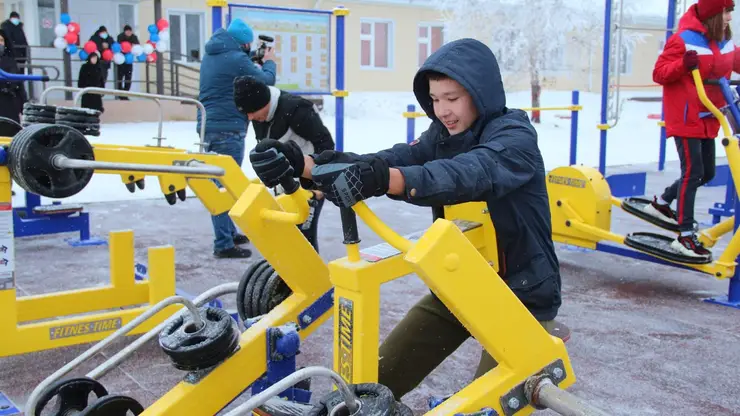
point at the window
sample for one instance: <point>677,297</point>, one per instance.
<point>47,21</point>
<point>186,35</point>
<point>375,44</point>
<point>431,37</point>
<point>126,16</point>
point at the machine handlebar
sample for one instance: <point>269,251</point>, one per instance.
<point>708,103</point>
<point>291,187</point>
<point>7,76</point>
<point>717,82</point>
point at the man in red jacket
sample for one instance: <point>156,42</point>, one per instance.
<point>703,41</point>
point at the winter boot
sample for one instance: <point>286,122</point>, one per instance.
<point>661,211</point>
<point>689,245</point>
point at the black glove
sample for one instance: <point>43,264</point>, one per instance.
<point>273,160</point>
<point>347,183</point>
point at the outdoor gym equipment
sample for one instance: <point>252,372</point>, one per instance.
<point>315,44</point>
<point>86,314</point>
<point>581,202</point>
<point>452,257</point>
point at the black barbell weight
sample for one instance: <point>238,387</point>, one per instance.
<point>113,405</point>
<point>191,348</point>
<point>73,395</point>
<point>375,399</point>
<point>9,127</point>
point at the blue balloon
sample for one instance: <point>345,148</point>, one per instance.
<point>115,47</point>
<point>153,29</point>
<point>83,55</point>
<point>141,58</point>
<point>65,18</point>
<point>129,58</point>
<point>72,49</point>
<point>154,37</point>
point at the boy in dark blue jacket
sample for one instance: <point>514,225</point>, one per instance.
<point>476,149</point>
<point>226,58</point>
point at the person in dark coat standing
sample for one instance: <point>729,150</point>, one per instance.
<point>12,93</point>
<point>104,41</point>
<point>13,28</point>
<point>92,75</point>
<point>476,149</point>
<point>124,72</point>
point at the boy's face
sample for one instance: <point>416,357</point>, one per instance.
<point>259,115</point>
<point>453,105</point>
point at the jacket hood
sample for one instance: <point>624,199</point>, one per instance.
<point>472,64</point>
<point>690,21</point>
<point>221,42</point>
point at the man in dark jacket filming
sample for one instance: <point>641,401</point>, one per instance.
<point>476,149</point>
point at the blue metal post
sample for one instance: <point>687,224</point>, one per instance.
<point>605,83</point>
<point>339,111</point>
<point>410,124</point>
<point>670,23</point>
<point>574,128</point>
<point>218,18</point>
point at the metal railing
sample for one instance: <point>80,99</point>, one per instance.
<point>154,97</point>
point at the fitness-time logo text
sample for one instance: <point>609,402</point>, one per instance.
<point>344,338</point>
<point>84,328</point>
<point>564,180</point>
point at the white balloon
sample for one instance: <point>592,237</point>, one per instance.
<point>162,46</point>
<point>164,35</point>
<point>137,50</point>
<point>148,48</point>
<point>60,43</point>
<point>60,30</point>
<point>119,58</point>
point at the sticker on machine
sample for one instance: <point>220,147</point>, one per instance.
<point>6,219</point>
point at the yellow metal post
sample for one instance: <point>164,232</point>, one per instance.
<point>122,260</point>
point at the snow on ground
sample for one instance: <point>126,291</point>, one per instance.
<point>373,121</point>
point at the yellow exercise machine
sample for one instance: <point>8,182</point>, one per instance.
<point>57,161</point>
<point>534,365</point>
<point>581,205</point>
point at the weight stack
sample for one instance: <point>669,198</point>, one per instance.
<point>84,120</point>
<point>38,114</point>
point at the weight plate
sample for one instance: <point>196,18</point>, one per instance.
<point>274,293</point>
<point>375,399</point>
<point>191,348</point>
<point>403,410</point>
<point>76,118</point>
<point>265,268</point>
<point>39,107</point>
<point>77,125</point>
<point>73,395</point>
<point>39,120</point>
<point>259,289</point>
<point>241,290</point>
<point>8,127</point>
<point>40,113</point>
<point>30,157</point>
<point>82,111</point>
<point>113,405</point>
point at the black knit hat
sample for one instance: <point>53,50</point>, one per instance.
<point>250,94</point>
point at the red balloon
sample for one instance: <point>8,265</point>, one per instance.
<point>90,47</point>
<point>73,27</point>
<point>125,47</point>
<point>108,55</point>
<point>71,38</point>
<point>162,24</point>
<point>152,57</point>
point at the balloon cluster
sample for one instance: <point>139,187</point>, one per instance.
<point>159,37</point>
<point>68,33</point>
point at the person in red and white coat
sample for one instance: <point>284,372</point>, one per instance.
<point>703,41</point>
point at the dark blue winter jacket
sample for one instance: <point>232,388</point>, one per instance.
<point>497,161</point>
<point>224,60</point>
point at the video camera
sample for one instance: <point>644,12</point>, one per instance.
<point>259,54</point>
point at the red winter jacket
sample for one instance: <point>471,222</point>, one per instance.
<point>681,102</point>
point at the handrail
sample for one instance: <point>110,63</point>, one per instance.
<point>708,103</point>
<point>119,93</point>
<point>7,76</point>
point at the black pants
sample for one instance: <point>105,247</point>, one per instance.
<point>123,76</point>
<point>697,168</point>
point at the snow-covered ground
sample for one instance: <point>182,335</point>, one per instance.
<point>373,121</point>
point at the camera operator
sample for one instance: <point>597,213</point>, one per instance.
<point>227,56</point>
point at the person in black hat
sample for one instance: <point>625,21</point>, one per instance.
<point>125,71</point>
<point>280,115</point>
<point>13,28</point>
